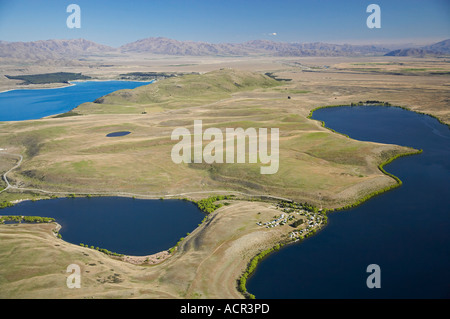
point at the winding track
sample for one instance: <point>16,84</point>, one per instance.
<point>8,186</point>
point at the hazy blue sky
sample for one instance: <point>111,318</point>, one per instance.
<point>118,22</point>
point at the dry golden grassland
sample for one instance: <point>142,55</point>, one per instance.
<point>206,264</point>
<point>73,155</point>
<point>412,82</point>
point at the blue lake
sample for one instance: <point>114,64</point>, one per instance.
<point>405,231</point>
<point>19,105</point>
<point>122,225</point>
<point>118,134</point>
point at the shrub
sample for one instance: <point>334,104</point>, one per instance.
<point>207,205</point>
<point>5,204</point>
<point>297,223</point>
<point>251,268</point>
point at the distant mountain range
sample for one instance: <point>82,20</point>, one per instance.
<point>439,48</point>
<point>256,47</point>
<point>51,49</point>
<point>80,48</point>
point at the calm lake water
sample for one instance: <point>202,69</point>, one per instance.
<point>122,225</point>
<point>19,105</point>
<point>118,134</point>
<point>405,231</point>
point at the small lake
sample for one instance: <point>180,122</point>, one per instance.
<point>25,104</point>
<point>118,134</point>
<point>405,231</point>
<point>127,226</point>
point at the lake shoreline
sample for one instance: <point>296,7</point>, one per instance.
<point>258,258</point>
<point>371,104</point>
<point>147,220</point>
<point>381,165</point>
<point>331,234</point>
<point>31,104</point>
<point>69,84</point>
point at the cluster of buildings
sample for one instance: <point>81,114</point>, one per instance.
<point>313,220</point>
<point>310,221</point>
<point>278,221</point>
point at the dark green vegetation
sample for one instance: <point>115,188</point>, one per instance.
<point>26,219</point>
<point>208,205</point>
<point>251,268</point>
<point>67,114</point>
<point>369,102</point>
<point>291,206</point>
<point>5,204</point>
<point>271,75</point>
<point>59,77</point>
<point>297,223</point>
<point>172,249</point>
<point>102,250</point>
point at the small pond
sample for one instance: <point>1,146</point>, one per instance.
<point>118,134</point>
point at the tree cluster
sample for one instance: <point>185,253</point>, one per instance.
<point>208,205</point>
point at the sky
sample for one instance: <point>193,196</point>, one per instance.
<point>115,23</point>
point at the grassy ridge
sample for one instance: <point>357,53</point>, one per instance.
<point>190,90</point>
<point>73,155</point>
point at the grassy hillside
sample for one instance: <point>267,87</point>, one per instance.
<point>73,154</point>
<point>183,91</point>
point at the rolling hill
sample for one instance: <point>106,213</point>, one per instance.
<point>187,90</point>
